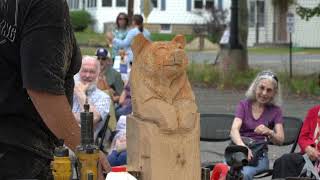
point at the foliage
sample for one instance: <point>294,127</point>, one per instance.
<point>215,25</point>
<point>307,13</point>
<point>209,76</point>
<point>80,20</point>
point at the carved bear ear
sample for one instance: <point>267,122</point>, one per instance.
<point>139,42</point>
<point>180,40</point>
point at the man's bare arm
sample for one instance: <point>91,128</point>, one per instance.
<point>56,114</point>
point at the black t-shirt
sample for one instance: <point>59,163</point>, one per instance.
<point>38,51</point>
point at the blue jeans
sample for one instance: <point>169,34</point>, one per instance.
<point>250,171</point>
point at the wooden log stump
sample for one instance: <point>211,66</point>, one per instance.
<point>162,156</point>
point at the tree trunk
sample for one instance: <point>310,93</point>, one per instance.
<point>243,36</point>
<point>237,59</point>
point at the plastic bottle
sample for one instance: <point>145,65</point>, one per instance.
<point>119,173</point>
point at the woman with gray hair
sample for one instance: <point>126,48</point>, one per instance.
<point>258,119</point>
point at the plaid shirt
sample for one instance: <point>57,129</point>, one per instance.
<point>100,100</point>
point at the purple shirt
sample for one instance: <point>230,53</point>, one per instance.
<point>270,116</point>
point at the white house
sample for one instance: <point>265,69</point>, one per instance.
<point>273,25</point>
<point>167,15</point>
<point>179,16</point>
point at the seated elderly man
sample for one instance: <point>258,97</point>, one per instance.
<point>86,88</point>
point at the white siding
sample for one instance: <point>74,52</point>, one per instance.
<point>266,32</point>
<point>175,13</point>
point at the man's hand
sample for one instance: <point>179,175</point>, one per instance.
<point>103,166</point>
<point>80,90</point>
<point>312,153</point>
<point>263,130</point>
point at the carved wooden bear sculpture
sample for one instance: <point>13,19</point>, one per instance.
<point>161,92</point>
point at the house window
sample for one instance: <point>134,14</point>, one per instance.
<point>154,3</point>
<point>165,28</point>
<point>121,3</point>
<point>163,5</point>
<point>73,4</point>
<point>256,12</point>
<point>209,4</point>
<point>189,4</point>
<point>261,13</point>
<point>106,3</point>
<point>92,3</point>
<point>198,4</point>
<point>252,14</point>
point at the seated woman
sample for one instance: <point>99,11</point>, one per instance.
<point>125,106</point>
<point>291,165</point>
<point>255,118</point>
<point>118,153</point>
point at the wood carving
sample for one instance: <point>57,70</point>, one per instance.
<point>161,92</point>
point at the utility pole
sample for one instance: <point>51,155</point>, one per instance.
<point>130,10</point>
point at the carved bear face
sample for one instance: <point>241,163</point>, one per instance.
<point>160,59</point>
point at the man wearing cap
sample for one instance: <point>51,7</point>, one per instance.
<point>113,77</point>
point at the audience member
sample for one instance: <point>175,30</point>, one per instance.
<point>119,32</point>
<point>137,23</point>
<point>86,89</point>
<point>258,120</point>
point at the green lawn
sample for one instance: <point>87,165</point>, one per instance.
<point>168,37</point>
<point>90,38</point>
<point>283,50</point>
<point>88,51</point>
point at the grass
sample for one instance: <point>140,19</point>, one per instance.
<point>209,76</point>
<point>283,50</point>
<point>88,51</point>
<point>90,38</point>
<point>168,37</point>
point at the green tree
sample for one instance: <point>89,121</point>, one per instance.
<point>307,13</point>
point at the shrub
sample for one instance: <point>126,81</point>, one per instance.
<point>80,20</point>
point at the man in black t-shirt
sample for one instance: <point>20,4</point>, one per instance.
<point>38,58</point>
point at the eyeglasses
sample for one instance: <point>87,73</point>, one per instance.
<point>269,73</point>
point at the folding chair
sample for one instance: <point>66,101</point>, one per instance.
<point>215,128</point>
<point>292,127</point>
